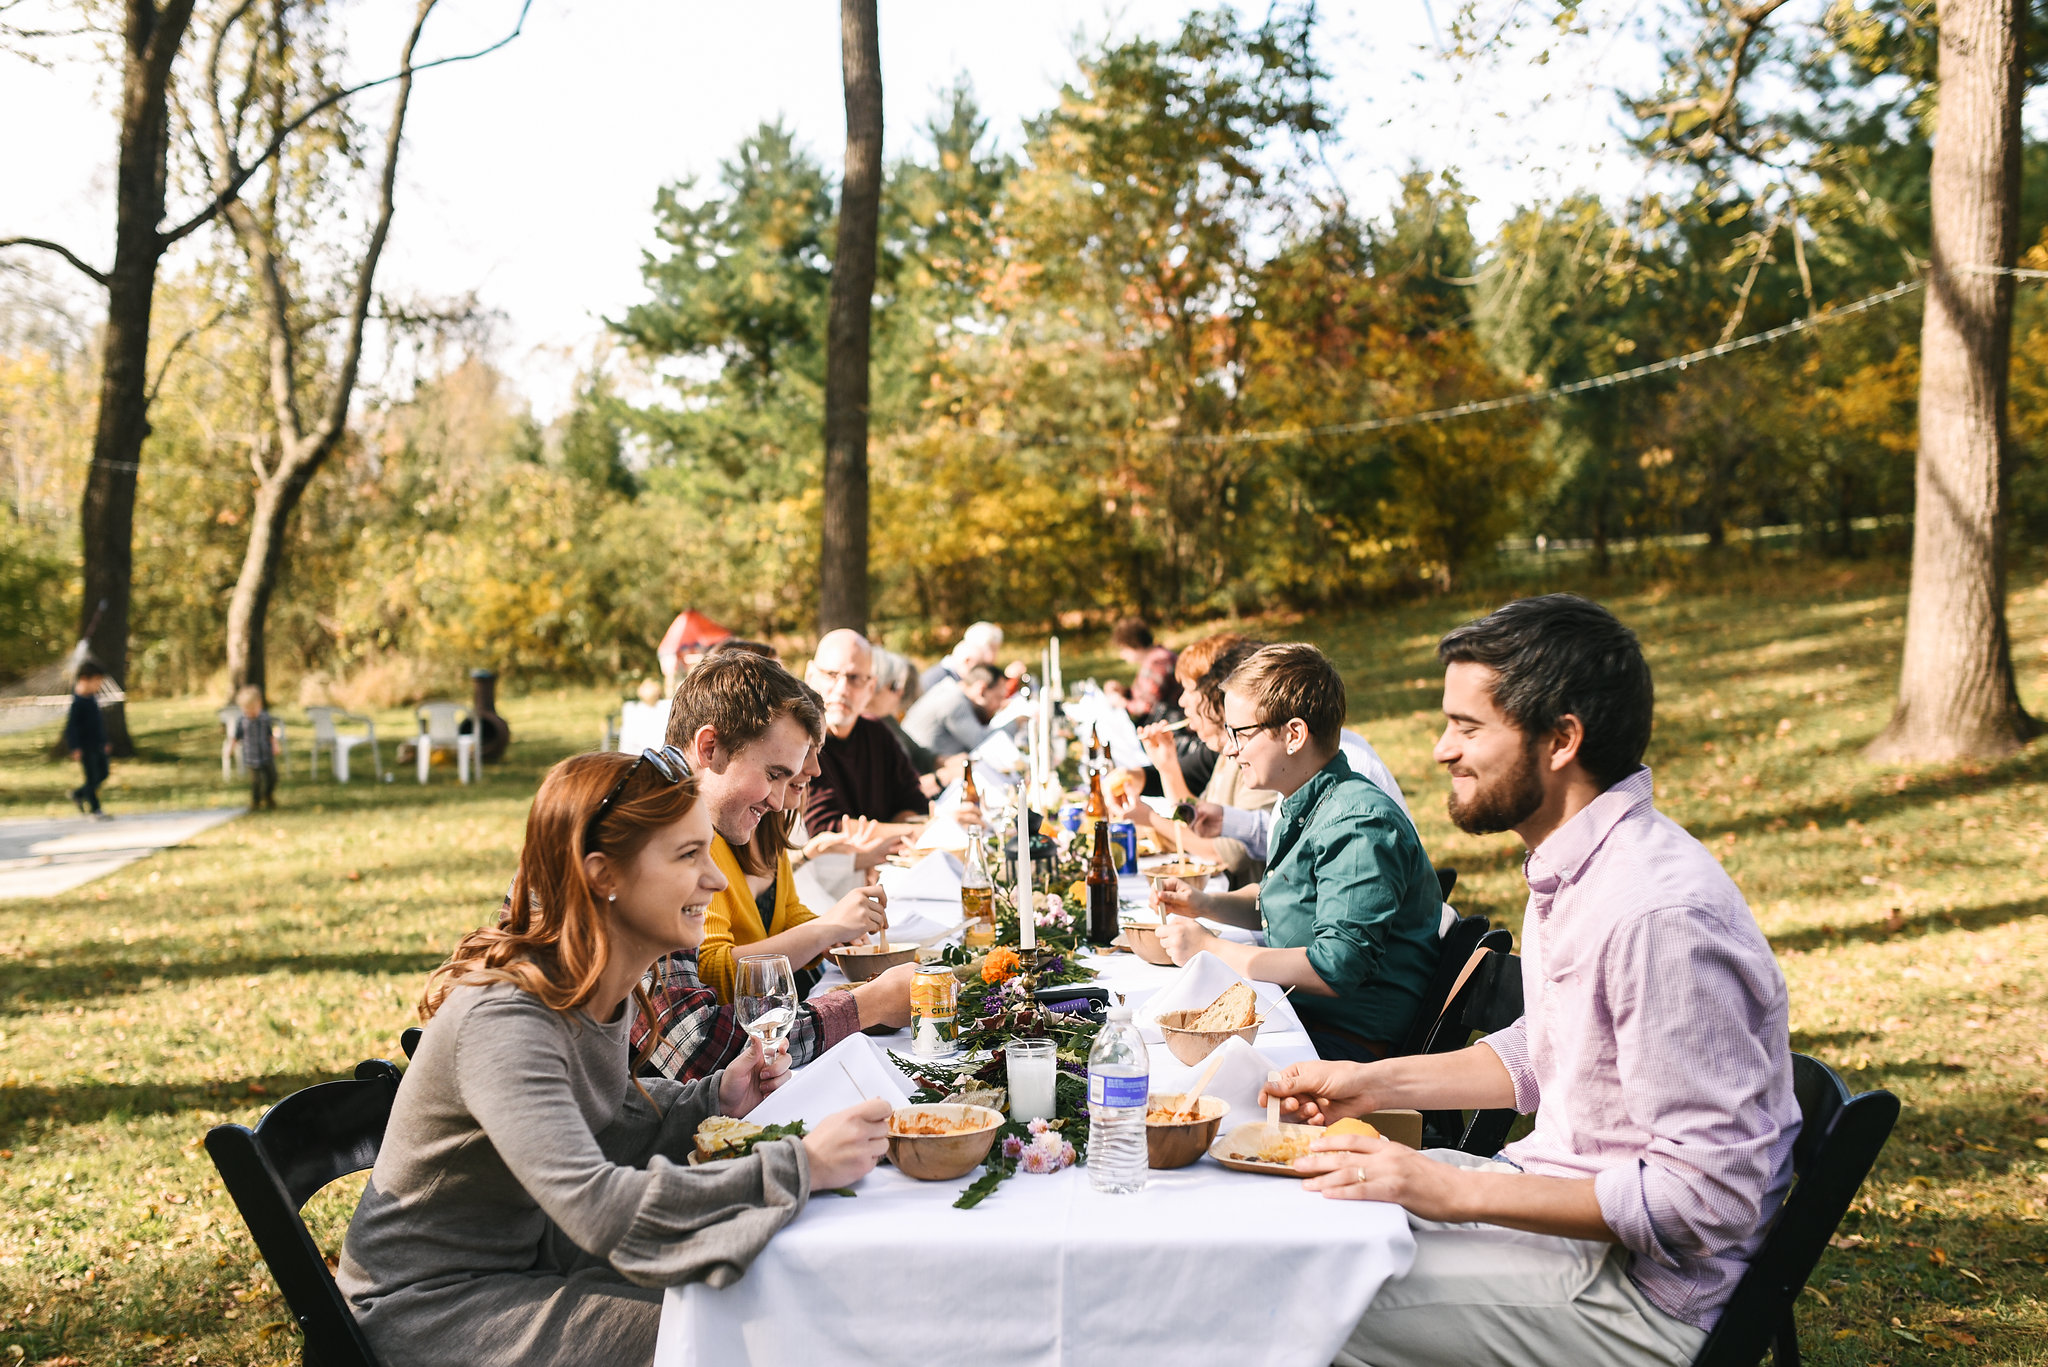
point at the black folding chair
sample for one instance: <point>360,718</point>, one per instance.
<point>1458,944</point>
<point>307,1140</point>
<point>1462,1001</point>
<point>409,1040</point>
<point>1446,880</point>
<point>1839,1139</point>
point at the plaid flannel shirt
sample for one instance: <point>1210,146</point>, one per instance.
<point>699,1035</point>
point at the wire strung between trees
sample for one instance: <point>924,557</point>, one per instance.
<point>1367,425</point>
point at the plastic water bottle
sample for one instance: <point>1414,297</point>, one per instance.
<point>1119,1078</point>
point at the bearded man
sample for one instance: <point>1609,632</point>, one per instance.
<point>1654,1041</point>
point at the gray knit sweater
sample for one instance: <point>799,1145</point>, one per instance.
<point>519,1149</point>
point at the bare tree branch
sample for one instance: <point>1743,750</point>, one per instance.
<point>234,186</point>
<point>170,355</point>
<point>98,277</point>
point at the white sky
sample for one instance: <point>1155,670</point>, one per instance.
<point>530,176</point>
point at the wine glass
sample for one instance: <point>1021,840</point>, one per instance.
<point>765,999</point>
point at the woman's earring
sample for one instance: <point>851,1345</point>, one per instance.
<point>613,898</point>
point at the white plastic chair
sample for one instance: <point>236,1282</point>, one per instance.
<point>325,735</point>
<point>441,728</point>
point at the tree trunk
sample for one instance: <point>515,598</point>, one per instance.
<point>303,449</point>
<point>843,550</point>
<point>1957,696</point>
<point>249,607</point>
<point>149,41</point>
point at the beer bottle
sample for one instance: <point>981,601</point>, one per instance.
<point>1097,809</point>
<point>978,894</point>
<point>968,796</point>
<point>1102,890</point>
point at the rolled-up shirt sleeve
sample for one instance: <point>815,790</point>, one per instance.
<point>1696,1061</point>
<point>1512,1044</point>
<point>1248,828</point>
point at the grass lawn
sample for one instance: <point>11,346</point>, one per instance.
<point>1904,904</point>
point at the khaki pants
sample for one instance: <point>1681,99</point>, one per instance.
<point>1480,1294</point>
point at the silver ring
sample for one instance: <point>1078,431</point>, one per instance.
<point>1359,1173</point>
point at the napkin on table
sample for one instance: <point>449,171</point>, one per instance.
<point>1238,1079</point>
<point>934,878</point>
<point>845,1075</point>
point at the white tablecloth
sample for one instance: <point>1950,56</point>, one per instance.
<point>1205,1265</point>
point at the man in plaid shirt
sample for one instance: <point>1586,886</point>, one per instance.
<point>699,1036</point>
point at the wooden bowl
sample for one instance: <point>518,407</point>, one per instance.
<point>1192,1046</point>
<point>861,962</point>
<point>1191,872</point>
<point>1175,1145</point>
<point>943,1157</point>
<point>1144,942</point>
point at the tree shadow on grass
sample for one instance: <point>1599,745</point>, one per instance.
<point>1919,923</point>
<point>25,988</point>
<point>39,1107</point>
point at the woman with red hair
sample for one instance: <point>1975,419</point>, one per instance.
<point>530,1201</point>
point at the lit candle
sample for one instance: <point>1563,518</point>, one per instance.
<point>1057,691</point>
<point>1027,915</point>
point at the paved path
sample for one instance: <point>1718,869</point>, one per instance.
<point>44,858</point>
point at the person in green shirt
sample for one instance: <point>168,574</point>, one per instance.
<point>1350,903</point>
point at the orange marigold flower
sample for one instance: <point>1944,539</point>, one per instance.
<point>1000,966</point>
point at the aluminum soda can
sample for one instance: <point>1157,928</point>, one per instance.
<point>1123,837</point>
<point>934,1011</point>
<point>1070,817</point>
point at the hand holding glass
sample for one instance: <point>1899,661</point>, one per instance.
<point>765,999</point>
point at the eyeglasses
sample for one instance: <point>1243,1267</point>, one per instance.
<point>667,762</point>
<point>1238,734</point>
<point>848,677</point>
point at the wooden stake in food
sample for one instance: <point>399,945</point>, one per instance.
<point>1192,1098</point>
<point>1273,1103</point>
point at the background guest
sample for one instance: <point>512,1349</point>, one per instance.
<point>952,719</point>
<point>896,688</point>
<point>256,739</point>
<point>1150,697</point>
<point>85,736</point>
<point>977,646</point>
<point>863,771</point>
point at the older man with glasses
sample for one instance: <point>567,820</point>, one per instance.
<point>1349,901</point>
<point>863,772</point>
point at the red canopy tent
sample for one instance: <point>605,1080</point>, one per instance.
<point>689,634</point>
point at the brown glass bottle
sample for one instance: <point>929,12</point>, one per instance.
<point>1097,809</point>
<point>1102,892</point>
<point>969,797</point>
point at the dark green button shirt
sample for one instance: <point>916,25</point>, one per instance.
<point>1347,880</point>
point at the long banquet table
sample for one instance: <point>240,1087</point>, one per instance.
<point>1204,1265</point>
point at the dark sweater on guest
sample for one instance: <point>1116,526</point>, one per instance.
<point>864,773</point>
<point>84,729</point>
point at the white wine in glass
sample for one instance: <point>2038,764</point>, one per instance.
<point>766,999</point>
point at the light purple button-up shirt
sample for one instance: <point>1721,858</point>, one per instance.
<point>1654,1047</point>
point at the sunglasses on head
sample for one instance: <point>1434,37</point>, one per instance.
<point>668,762</point>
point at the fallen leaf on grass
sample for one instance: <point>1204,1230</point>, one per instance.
<point>1846,1241</point>
<point>1818,1296</point>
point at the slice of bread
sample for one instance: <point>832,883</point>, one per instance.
<point>721,1136</point>
<point>1234,1010</point>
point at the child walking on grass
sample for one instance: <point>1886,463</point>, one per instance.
<point>85,736</point>
<point>259,754</point>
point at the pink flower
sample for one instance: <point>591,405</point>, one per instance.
<point>1012,1147</point>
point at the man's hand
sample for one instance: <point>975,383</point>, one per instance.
<point>1178,897</point>
<point>1130,806</point>
<point>748,1079</point>
<point>861,912</point>
<point>949,769</point>
<point>885,998</point>
<point>1356,1167</point>
<point>869,842</point>
<point>846,1146</point>
<point>1322,1090</point>
<point>1183,938</point>
<point>1208,822</point>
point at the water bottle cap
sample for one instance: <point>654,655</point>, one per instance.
<point>1119,1013</point>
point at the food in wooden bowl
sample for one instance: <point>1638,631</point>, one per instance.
<point>861,962</point>
<point>1193,1035</point>
<point>941,1141</point>
<point>1179,1129</point>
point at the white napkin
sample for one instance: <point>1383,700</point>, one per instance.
<point>1097,709</point>
<point>999,752</point>
<point>1238,1079</point>
<point>934,878</point>
<point>920,923</point>
<point>822,881</point>
<point>1015,710</point>
<point>1202,980</point>
<point>845,1075</point>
